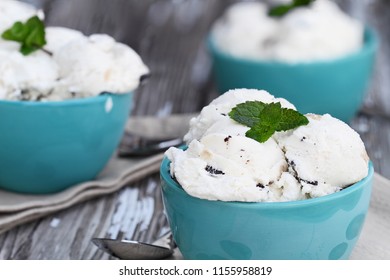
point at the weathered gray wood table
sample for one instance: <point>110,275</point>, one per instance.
<point>169,35</point>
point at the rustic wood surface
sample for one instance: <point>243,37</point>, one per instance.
<point>169,35</point>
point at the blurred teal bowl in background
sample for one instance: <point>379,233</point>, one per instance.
<point>46,147</point>
<point>337,86</point>
<point>318,228</point>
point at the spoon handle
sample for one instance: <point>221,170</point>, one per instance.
<point>138,146</point>
<point>148,135</point>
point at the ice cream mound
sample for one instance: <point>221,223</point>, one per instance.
<point>319,31</point>
<point>70,65</point>
<point>222,163</point>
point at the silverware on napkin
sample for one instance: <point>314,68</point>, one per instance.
<point>145,136</point>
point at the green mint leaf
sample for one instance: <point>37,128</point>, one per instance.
<point>291,119</point>
<point>281,10</point>
<point>261,132</point>
<point>30,35</point>
<point>264,119</point>
<point>16,33</point>
<point>249,114</point>
<point>271,114</point>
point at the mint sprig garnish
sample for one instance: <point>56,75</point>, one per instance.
<point>31,34</point>
<point>281,10</point>
<point>264,119</point>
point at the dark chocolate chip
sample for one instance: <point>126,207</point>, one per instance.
<point>213,170</point>
<point>261,186</point>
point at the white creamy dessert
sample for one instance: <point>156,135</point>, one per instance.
<point>326,154</point>
<point>26,77</point>
<point>221,163</point>
<point>96,64</point>
<point>12,11</point>
<point>320,31</point>
<point>70,64</point>
<point>217,110</point>
<point>57,37</point>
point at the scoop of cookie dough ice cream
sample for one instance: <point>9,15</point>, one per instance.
<point>219,108</point>
<point>12,11</point>
<point>29,77</point>
<point>95,64</point>
<point>57,37</point>
<point>319,31</point>
<point>325,156</point>
<point>228,168</point>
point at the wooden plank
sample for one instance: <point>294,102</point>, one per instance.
<point>375,133</point>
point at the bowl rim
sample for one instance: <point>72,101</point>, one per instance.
<point>370,45</point>
<point>174,186</point>
<point>68,102</point>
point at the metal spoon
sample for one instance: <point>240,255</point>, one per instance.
<point>139,146</point>
<point>149,135</point>
<point>135,250</point>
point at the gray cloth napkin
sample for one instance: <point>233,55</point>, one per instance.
<point>16,208</point>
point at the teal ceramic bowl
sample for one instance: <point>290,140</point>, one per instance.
<point>337,87</point>
<point>319,228</point>
<point>46,147</point>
